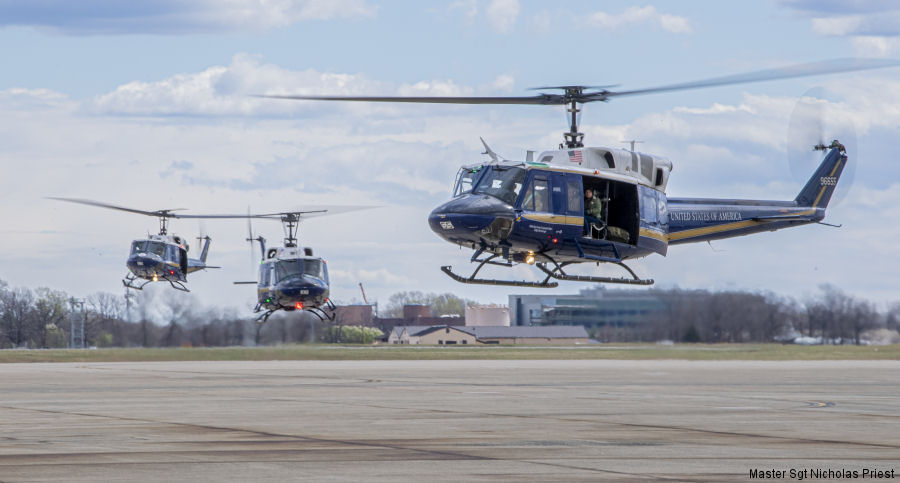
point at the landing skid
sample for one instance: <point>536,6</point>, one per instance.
<point>558,273</point>
<point>322,314</point>
<point>318,312</point>
<point>488,281</point>
<point>129,282</point>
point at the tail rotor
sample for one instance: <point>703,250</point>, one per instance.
<point>815,123</point>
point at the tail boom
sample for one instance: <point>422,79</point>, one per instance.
<point>697,220</point>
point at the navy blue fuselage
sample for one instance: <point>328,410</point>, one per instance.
<point>535,209</point>
<point>291,284</point>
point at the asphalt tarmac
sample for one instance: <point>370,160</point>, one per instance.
<point>447,420</point>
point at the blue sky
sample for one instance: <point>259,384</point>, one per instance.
<point>147,104</point>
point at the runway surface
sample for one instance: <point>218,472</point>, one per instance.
<point>445,420</point>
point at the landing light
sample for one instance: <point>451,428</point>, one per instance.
<point>298,306</point>
<point>155,278</point>
<point>529,259</point>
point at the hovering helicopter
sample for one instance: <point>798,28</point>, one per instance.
<point>534,211</point>
<point>291,277</point>
<point>162,256</point>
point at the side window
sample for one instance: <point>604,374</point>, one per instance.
<point>528,197</point>
<point>648,206</point>
<point>647,166</point>
<point>663,209</point>
<point>171,253</point>
<point>541,194</point>
<point>575,196</point>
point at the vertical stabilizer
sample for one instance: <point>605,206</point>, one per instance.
<point>205,250</point>
<point>820,187</point>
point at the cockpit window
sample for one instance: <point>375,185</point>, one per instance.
<point>466,179</point>
<point>313,268</point>
<point>156,248</point>
<point>501,182</point>
<point>285,269</point>
<point>137,246</point>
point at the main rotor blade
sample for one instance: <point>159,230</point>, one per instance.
<point>157,213</point>
<point>542,99</point>
<point>577,94</point>
<point>111,206</point>
<point>800,70</point>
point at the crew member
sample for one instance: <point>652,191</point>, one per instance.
<point>593,211</point>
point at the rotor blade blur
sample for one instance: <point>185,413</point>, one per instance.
<point>800,70</point>
<point>106,205</point>
<point>543,99</point>
<point>157,213</point>
<point>327,210</point>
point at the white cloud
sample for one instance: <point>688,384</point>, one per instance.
<point>230,90</point>
<point>872,26</point>
<point>504,83</point>
<point>675,24</point>
<point>867,46</point>
<point>434,88</point>
<point>502,15</point>
<point>638,15</point>
<point>88,17</point>
<point>836,25</point>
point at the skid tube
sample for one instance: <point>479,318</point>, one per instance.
<point>558,273</point>
<point>488,281</point>
<point>128,282</point>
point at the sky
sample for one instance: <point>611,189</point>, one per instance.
<point>150,105</point>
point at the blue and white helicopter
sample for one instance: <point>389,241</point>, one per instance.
<point>533,211</point>
<point>161,257</point>
<point>291,277</point>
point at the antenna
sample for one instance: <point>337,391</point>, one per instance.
<point>632,142</point>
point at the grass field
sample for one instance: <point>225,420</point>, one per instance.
<point>699,352</point>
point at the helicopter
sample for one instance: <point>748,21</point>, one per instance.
<point>160,257</point>
<point>534,211</point>
<point>290,277</point>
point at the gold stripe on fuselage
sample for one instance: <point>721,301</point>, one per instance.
<point>656,235</point>
<point>558,219</point>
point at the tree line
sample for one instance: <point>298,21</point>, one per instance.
<point>43,317</point>
<point>830,317</point>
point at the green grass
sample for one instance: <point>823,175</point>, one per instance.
<point>327,352</point>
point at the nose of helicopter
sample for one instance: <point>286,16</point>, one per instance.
<point>143,264</point>
<point>304,290</point>
<point>470,218</point>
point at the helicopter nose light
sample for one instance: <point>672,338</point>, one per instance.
<point>155,278</point>
<point>298,306</point>
<point>529,259</point>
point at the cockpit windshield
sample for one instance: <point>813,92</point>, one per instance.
<point>313,268</point>
<point>156,248</point>
<point>285,269</point>
<point>466,179</point>
<point>138,246</point>
<point>503,182</point>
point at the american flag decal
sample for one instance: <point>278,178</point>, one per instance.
<point>575,156</point>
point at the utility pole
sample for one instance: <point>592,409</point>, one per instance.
<point>128,297</point>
